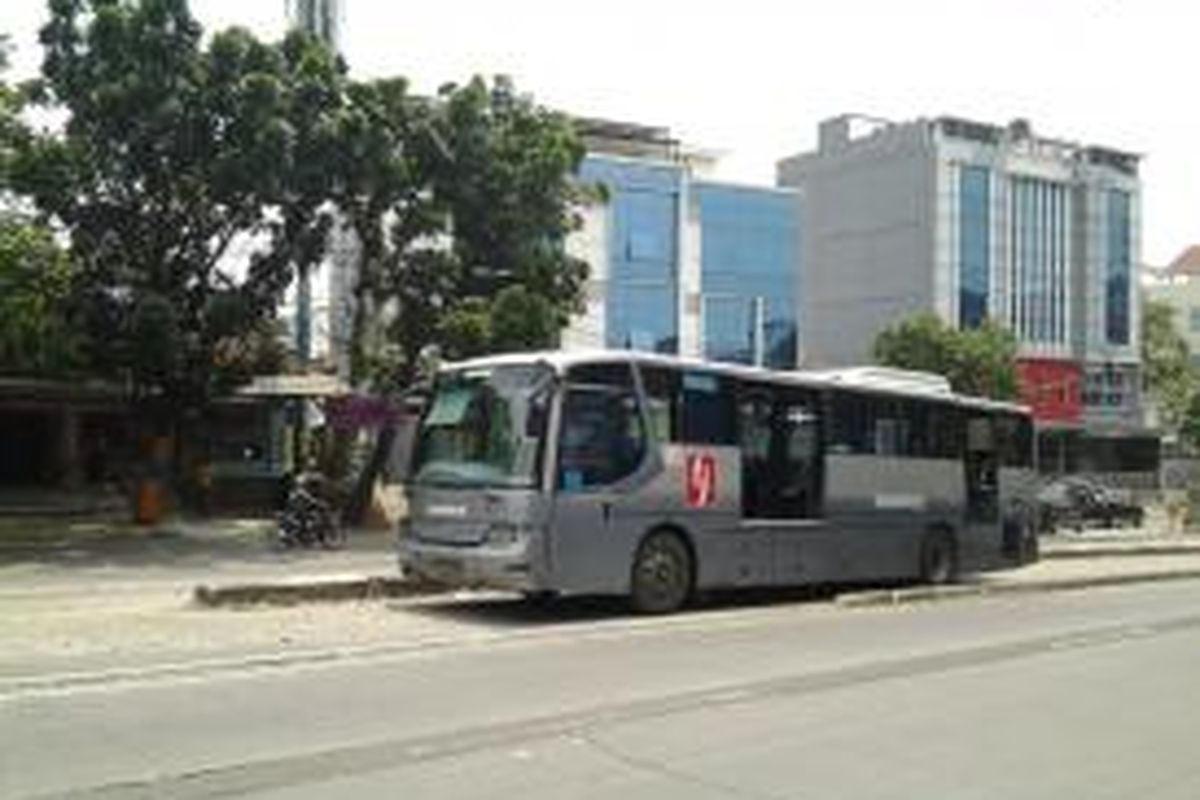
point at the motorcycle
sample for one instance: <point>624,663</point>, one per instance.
<point>308,520</point>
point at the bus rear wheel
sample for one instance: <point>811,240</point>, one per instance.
<point>661,580</point>
<point>939,559</point>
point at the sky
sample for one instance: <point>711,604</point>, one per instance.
<point>751,79</point>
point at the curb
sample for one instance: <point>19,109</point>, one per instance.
<point>370,587</point>
<point>893,597</point>
<point>1108,551</point>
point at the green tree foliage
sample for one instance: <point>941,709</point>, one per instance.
<point>1189,427</point>
<point>173,152</point>
<point>385,196</point>
<point>11,129</point>
<point>977,361</point>
<point>508,187</point>
<point>37,338</point>
<point>461,204</point>
<point>522,320</point>
<point>1166,364</point>
<point>457,200</point>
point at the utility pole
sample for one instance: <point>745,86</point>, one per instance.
<point>320,18</point>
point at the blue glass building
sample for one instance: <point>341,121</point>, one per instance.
<point>691,267</point>
<point>641,305</point>
<point>749,270</point>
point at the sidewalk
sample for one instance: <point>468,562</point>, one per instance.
<point>1047,575</point>
<point>1097,543</point>
<point>233,562</point>
<point>47,556</point>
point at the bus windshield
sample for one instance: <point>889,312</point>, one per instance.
<point>485,427</point>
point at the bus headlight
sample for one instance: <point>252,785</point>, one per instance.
<point>505,534</point>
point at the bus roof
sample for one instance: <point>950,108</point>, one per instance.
<point>874,379</point>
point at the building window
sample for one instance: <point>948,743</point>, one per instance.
<point>974,244</point>
<point>1038,259</point>
<point>649,231</point>
<point>642,297</point>
<point>748,271</point>
<point>1116,318</point>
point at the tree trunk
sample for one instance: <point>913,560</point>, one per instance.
<point>364,487</point>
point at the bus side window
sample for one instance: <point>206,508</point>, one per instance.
<point>689,406</point>
<point>798,459</point>
<point>602,439</point>
<point>1015,444</point>
<point>754,435</point>
<point>709,414</point>
<point>852,431</point>
<point>661,386</point>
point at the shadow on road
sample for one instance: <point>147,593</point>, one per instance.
<point>518,612</point>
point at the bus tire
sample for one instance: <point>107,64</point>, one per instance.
<point>939,558</point>
<point>1031,550</point>
<point>540,598</point>
<point>660,580</point>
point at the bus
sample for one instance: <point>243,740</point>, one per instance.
<point>655,477</point>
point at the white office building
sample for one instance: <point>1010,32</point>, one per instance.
<point>971,221</point>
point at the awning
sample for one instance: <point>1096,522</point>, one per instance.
<point>311,385</point>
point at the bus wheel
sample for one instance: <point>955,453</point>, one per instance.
<point>662,574</point>
<point>1031,547</point>
<point>939,560</point>
<point>540,598</point>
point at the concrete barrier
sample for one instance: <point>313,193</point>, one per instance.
<point>301,590</point>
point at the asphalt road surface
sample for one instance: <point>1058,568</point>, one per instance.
<point>1091,694</point>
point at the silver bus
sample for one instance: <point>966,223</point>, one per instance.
<point>654,477</point>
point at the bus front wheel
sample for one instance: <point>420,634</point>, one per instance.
<point>939,559</point>
<point>661,580</point>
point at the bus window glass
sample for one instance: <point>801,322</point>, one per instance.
<point>852,428</point>
<point>617,375</point>
<point>919,442</point>
<point>945,432</point>
<point>661,386</point>
<point>754,434</point>
<point>708,409</point>
<point>980,438</point>
<point>484,428</point>
<point>1015,436</point>
<point>602,440</point>
<point>798,474</point>
<point>891,428</point>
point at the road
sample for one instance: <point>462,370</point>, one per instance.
<point>1076,694</point>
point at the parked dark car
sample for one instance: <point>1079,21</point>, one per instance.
<point>1078,503</point>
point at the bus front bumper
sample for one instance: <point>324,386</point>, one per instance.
<point>478,567</point>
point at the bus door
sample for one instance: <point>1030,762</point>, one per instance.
<point>602,455</point>
<point>982,465</point>
<point>782,478</point>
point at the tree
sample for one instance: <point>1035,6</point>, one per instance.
<point>507,183</point>
<point>385,197</point>
<point>1166,364</point>
<point>461,204</point>
<point>172,153</point>
<point>37,337</point>
<point>1189,427</point>
<point>11,128</point>
<point>522,320</point>
<point>977,361</point>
